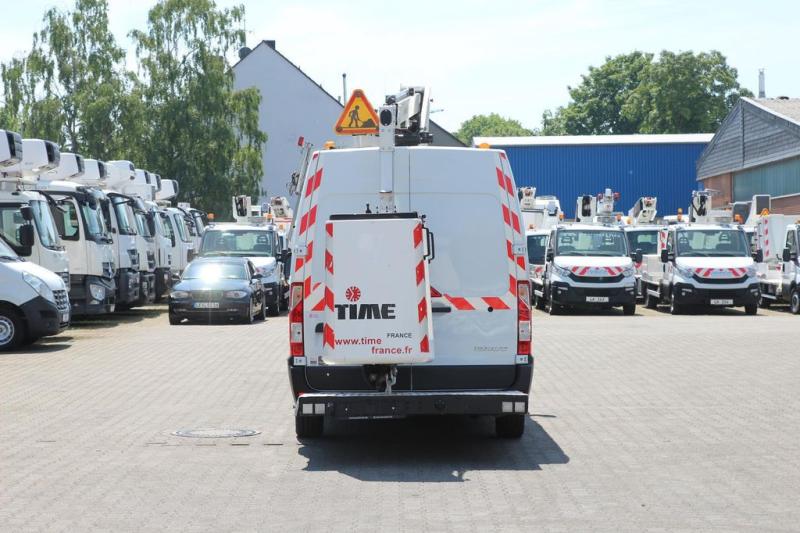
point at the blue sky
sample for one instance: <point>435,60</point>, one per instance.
<point>512,57</point>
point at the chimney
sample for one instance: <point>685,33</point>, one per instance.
<point>762,93</point>
<point>244,52</point>
<point>271,44</point>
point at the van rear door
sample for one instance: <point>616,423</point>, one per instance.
<point>471,208</point>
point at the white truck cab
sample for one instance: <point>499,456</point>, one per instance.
<point>410,291</point>
<point>252,237</point>
<point>33,300</point>
<point>537,240</point>
<point>703,260</point>
<point>588,266</point>
<point>26,222</point>
<point>777,237</point>
<point>81,226</point>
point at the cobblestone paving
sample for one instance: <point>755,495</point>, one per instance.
<point>650,422</point>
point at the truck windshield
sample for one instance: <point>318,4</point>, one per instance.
<point>590,242</point>
<point>712,243</point>
<point>123,220</point>
<point>537,245</point>
<point>166,224</point>
<point>181,225</point>
<point>245,242</point>
<point>646,241</point>
<point>141,224</point>
<point>95,227</point>
<point>45,225</point>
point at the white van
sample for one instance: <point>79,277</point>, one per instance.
<point>410,291</point>
<point>33,301</point>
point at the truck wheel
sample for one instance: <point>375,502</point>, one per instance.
<point>308,427</point>
<point>674,307</point>
<point>12,329</point>
<point>509,426</point>
<point>629,309</point>
<point>794,302</point>
<point>174,320</point>
<point>540,303</point>
<point>552,308</point>
<point>751,309</point>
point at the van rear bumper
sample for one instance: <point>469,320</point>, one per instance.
<point>364,405</point>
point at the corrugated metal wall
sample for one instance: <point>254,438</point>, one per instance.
<point>663,170</point>
<point>776,179</point>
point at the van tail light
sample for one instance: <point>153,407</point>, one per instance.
<point>296,320</point>
<point>523,318</point>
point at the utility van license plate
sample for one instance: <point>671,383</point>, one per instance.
<point>597,299</point>
<point>722,302</point>
<point>206,305</point>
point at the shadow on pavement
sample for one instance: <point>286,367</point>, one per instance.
<point>126,316</point>
<point>427,449</point>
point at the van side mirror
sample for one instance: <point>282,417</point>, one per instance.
<point>664,256</point>
<point>550,255</point>
<point>758,256</point>
<point>27,212</point>
<point>26,235</point>
<point>789,255</point>
<point>637,256</point>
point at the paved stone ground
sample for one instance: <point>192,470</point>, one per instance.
<point>649,422</point>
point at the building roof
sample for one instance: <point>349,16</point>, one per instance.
<point>572,140</point>
<point>437,129</point>
<point>786,108</point>
<point>756,132</point>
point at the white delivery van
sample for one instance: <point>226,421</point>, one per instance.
<point>410,291</point>
<point>776,242</point>
<point>33,301</point>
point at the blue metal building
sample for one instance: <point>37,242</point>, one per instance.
<point>633,165</point>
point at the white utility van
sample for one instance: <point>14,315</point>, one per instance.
<point>410,291</point>
<point>779,274</point>
<point>33,300</point>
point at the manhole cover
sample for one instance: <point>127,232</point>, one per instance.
<point>211,433</point>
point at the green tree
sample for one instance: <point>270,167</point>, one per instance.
<point>637,93</point>
<point>491,125</point>
<point>201,131</point>
<point>71,87</point>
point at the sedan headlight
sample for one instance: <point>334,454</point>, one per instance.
<point>39,286</point>
<point>561,271</point>
<point>178,295</point>
<point>235,294</point>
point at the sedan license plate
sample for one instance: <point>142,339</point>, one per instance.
<point>206,305</point>
<point>597,299</point>
<point>64,317</point>
<point>722,302</point>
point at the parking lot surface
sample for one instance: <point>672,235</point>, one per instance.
<point>644,422</point>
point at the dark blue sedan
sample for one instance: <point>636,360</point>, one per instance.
<point>218,287</point>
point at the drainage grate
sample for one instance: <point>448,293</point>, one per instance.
<point>211,433</point>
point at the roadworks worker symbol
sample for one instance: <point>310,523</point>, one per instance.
<point>358,117</point>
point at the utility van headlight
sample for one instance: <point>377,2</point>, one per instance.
<point>98,292</point>
<point>561,271</point>
<point>178,295</point>
<point>235,294</point>
<point>39,286</point>
<point>683,271</point>
<point>751,271</point>
<point>629,271</point>
<point>266,271</point>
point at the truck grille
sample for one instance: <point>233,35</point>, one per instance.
<point>597,279</point>
<point>719,281</point>
<point>151,261</point>
<point>62,301</point>
<point>134,255</point>
<point>206,296</point>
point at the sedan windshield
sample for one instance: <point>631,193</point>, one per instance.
<point>537,244</point>
<point>244,242</point>
<point>589,242</point>
<point>646,241</point>
<point>712,243</point>
<point>210,271</point>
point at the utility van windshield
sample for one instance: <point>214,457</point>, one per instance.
<point>244,242</point>
<point>646,241</point>
<point>712,243</point>
<point>537,245</point>
<point>594,243</point>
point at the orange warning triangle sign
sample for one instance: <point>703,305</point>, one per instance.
<point>358,117</point>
